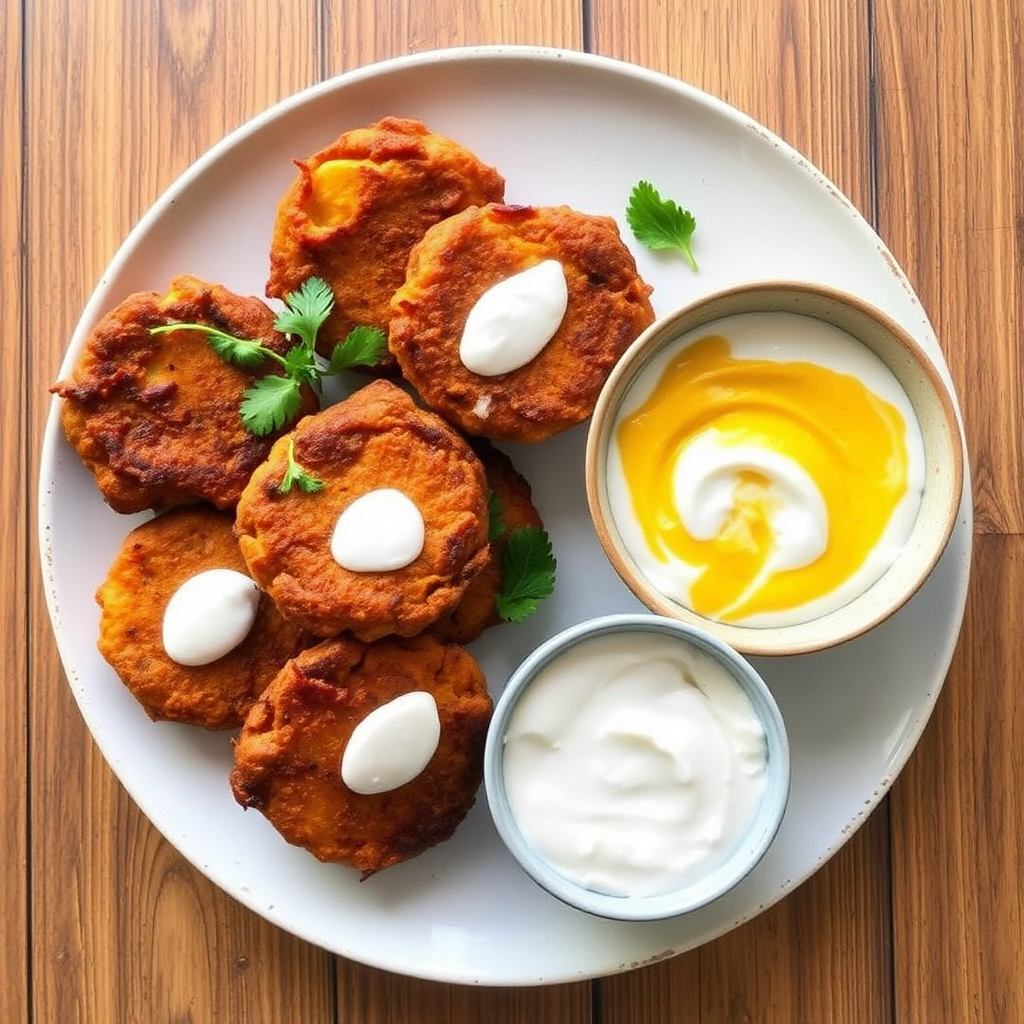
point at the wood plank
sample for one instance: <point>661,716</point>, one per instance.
<point>803,71</point>
<point>790,965</point>
<point>355,34</point>
<point>370,996</point>
<point>800,69</point>
<point>14,529</point>
<point>957,810</point>
<point>950,154</point>
<point>123,928</point>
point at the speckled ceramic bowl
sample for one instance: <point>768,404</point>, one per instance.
<point>723,872</point>
<point>932,404</point>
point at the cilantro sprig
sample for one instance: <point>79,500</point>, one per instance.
<point>527,573</point>
<point>274,400</point>
<point>527,564</point>
<point>296,476</point>
<point>660,223</point>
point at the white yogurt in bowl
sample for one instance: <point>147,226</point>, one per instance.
<point>636,767</point>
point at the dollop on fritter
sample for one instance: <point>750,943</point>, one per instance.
<point>155,559</point>
<point>375,439</point>
<point>288,756</point>
<point>463,257</point>
<point>156,417</point>
<point>359,205</point>
<point>477,610</point>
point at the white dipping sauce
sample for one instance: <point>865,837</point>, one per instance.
<point>208,616</point>
<point>634,764</point>
<point>512,322</point>
<point>380,531</point>
<point>392,744</point>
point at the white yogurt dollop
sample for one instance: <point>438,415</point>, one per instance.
<point>634,766</point>
<point>392,744</point>
<point>208,616</point>
<point>512,322</point>
<point>380,531</point>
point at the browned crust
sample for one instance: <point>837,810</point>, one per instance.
<point>156,417</point>
<point>154,560</point>
<point>477,611</point>
<point>288,756</point>
<point>410,179</point>
<point>375,438</point>
<point>462,257</point>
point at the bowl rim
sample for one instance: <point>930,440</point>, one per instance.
<point>740,862</point>
<point>944,495</point>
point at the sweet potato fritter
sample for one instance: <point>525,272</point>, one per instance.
<point>156,417</point>
<point>288,756</point>
<point>376,438</point>
<point>155,559</point>
<point>359,205</point>
<point>460,259</point>
<point>477,610</point>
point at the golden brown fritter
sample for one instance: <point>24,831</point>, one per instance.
<point>460,259</point>
<point>155,559</point>
<point>156,417</point>
<point>359,205</point>
<point>477,610</point>
<point>376,438</point>
<point>288,756</point>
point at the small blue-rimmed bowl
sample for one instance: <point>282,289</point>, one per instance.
<point>727,869</point>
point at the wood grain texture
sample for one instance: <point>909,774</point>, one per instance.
<point>958,849</point>
<point>918,920</point>
<point>14,459</point>
<point>787,965</point>
<point>801,69</point>
<point>951,207</point>
<point>122,97</point>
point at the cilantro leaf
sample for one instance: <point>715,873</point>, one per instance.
<point>295,475</point>
<point>269,404</point>
<point>240,351</point>
<point>307,310</point>
<point>495,512</point>
<point>363,347</point>
<point>528,573</point>
<point>660,223</point>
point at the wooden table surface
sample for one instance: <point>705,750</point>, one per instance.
<point>914,109</point>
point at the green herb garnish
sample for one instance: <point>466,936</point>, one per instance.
<point>364,346</point>
<point>295,475</point>
<point>528,573</point>
<point>274,400</point>
<point>660,223</point>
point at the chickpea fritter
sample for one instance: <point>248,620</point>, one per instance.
<point>477,611</point>
<point>459,259</point>
<point>376,438</point>
<point>359,205</point>
<point>288,756</point>
<point>154,560</point>
<point>156,417</point>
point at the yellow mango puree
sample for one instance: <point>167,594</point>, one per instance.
<point>848,440</point>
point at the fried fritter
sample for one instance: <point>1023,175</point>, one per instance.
<point>359,205</point>
<point>288,755</point>
<point>155,559</point>
<point>156,417</point>
<point>477,610</point>
<point>376,438</point>
<point>459,259</point>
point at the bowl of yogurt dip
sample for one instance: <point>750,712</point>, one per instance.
<point>636,767</point>
<point>779,463</point>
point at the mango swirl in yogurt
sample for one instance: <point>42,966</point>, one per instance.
<point>766,469</point>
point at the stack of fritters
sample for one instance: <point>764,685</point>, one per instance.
<point>408,230</point>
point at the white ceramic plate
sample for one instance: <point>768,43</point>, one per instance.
<point>563,128</point>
